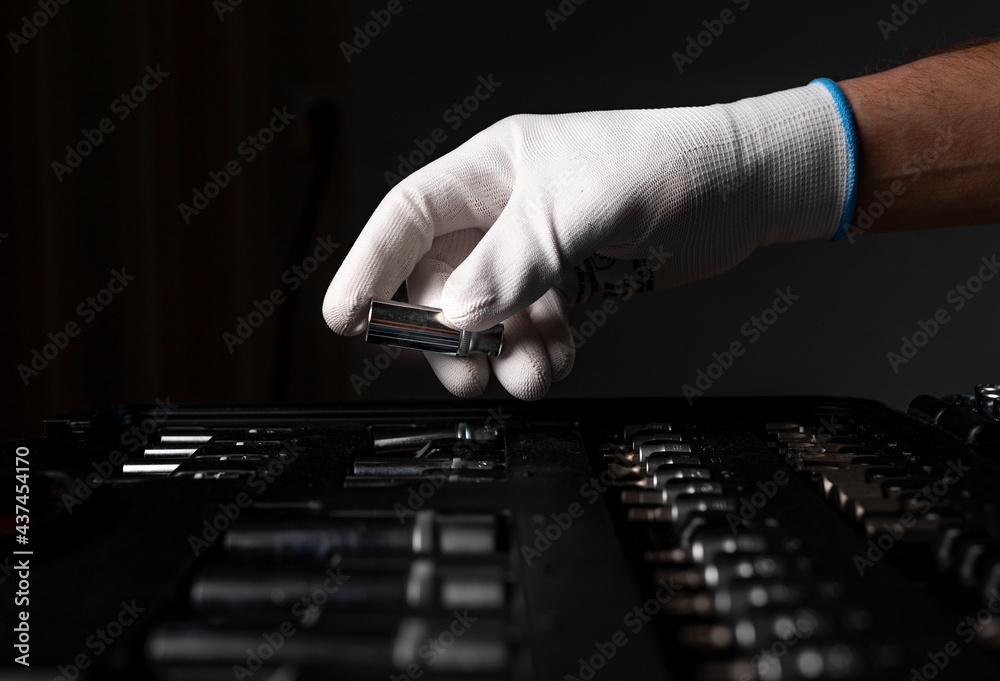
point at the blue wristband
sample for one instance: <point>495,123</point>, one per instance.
<point>851,137</point>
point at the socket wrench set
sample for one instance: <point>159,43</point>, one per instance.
<point>770,539</point>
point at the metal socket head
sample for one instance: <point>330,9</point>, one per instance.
<point>416,327</point>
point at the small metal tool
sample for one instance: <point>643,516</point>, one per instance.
<point>414,438</point>
<point>664,473</point>
<point>416,327</point>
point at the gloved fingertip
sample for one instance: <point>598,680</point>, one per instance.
<point>347,318</point>
<point>465,390</point>
<point>530,392</point>
<point>562,360</point>
<point>549,316</point>
<point>525,375</point>
<point>461,376</point>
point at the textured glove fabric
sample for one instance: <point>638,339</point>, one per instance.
<point>537,212</point>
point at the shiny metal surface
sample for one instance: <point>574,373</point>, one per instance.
<point>416,327</point>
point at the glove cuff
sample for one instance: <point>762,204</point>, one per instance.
<point>851,142</point>
<point>794,163</point>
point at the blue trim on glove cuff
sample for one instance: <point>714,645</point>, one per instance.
<point>851,135</point>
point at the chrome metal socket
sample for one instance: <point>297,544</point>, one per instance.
<point>416,327</point>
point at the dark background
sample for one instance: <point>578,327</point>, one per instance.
<point>162,337</point>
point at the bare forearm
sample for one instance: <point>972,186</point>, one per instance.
<point>929,142</point>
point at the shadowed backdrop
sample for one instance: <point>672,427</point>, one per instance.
<point>222,157</point>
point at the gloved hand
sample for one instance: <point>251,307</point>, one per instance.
<point>537,212</point>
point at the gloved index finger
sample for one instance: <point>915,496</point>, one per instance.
<point>457,191</point>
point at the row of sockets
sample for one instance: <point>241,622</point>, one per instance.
<point>358,595</point>
<point>746,605</point>
<point>905,503</point>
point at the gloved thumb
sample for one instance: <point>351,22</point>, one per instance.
<point>519,258</point>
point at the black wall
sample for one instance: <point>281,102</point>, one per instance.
<point>162,337</point>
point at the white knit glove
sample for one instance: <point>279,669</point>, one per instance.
<point>539,211</point>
